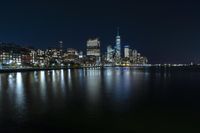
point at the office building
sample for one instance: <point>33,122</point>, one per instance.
<point>93,47</point>
<point>126,51</point>
<point>118,46</point>
<point>109,54</point>
<point>93,50</point>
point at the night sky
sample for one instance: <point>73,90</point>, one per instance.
<point>164,31</point>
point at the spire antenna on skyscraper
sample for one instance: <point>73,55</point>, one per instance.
<point>117,31</point>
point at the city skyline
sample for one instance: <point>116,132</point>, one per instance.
<point>14,56</point>
<point>166,32</point>
<point>119,48</point>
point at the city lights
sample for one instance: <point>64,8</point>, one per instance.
<point>14,56</point>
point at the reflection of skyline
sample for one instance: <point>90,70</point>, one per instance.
<point>42,83</point>
<point>62,81</point>
<point>16,93</point>
<point>122,96</point>
<point>118,83</point>
<point>19,90</point>
<point>57,86</point>
<point>93,85</point>
<point>69,78</point>
<point>0,83</point>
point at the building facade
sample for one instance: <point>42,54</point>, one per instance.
<point>109,54</point>
<point>118,46</point>
<point>93,50</point>
<point>126,51</point>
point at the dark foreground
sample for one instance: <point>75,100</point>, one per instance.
<point>158,100</point>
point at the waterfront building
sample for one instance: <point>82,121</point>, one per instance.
<point>33,55</point>
<point>126,51</point>
<point>26,58</point>
<point>10,54</point>
<point>10,58</point>
<point>118,46</point>
<point>109,54</point>
<point>40,58</point>
<point>61,48</point>
<point>134,56</point>
<point>53,56</point>
<point>72,51</point>
<point>72,55</point>
<point>80,54</point>
<point>134,53</point>
<point>93,50</point>
<point>144,60</point>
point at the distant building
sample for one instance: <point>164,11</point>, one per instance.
<point>33,55</point>
<point>109,54</point>
<point>80,54</point>
<point>118,46</point>
<point>26,57</point>
<point>61,45</point>
<point>126,51</point>
<point>72,51</point>
<point>53,56</point>
<point>61,48</point>
<point>10,54</point>
<point>134,53</point>
<point>72,55</point>
<point>134,56</point>
<point>93,49</point>
<point>40,57</point>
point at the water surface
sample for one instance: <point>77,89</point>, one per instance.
<point>101,100</point>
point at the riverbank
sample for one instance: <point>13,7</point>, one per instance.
<point>26,69</point>
<point>179,68</point>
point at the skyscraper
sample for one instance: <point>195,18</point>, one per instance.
<point>61,48</point>
<point>118,45</point>
<point>61,45</point>
<point>126,51</point>
<point>93,49</point>
<point>134,56</point>
<point>109,55</point>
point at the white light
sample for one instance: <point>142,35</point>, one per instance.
<point>11,61</point>
<point>19,91</point>
<point>18,63</point>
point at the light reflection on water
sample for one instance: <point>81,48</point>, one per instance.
<point>20,98</point>
<point>76,94</point>
<point>122,85</point>
<point>62,81</point>
<point>15,95</point>
<point>69,78</point>
<point>0,82</point>
<point>93,84</point>
<point>44,87</point>
<point>42,84</point>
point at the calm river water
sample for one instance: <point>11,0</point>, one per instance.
<point>101,100</point>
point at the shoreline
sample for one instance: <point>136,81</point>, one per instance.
<point>26,70</point>
<point>101,67</point>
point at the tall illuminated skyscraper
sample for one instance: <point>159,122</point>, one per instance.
<point>118,45</point>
